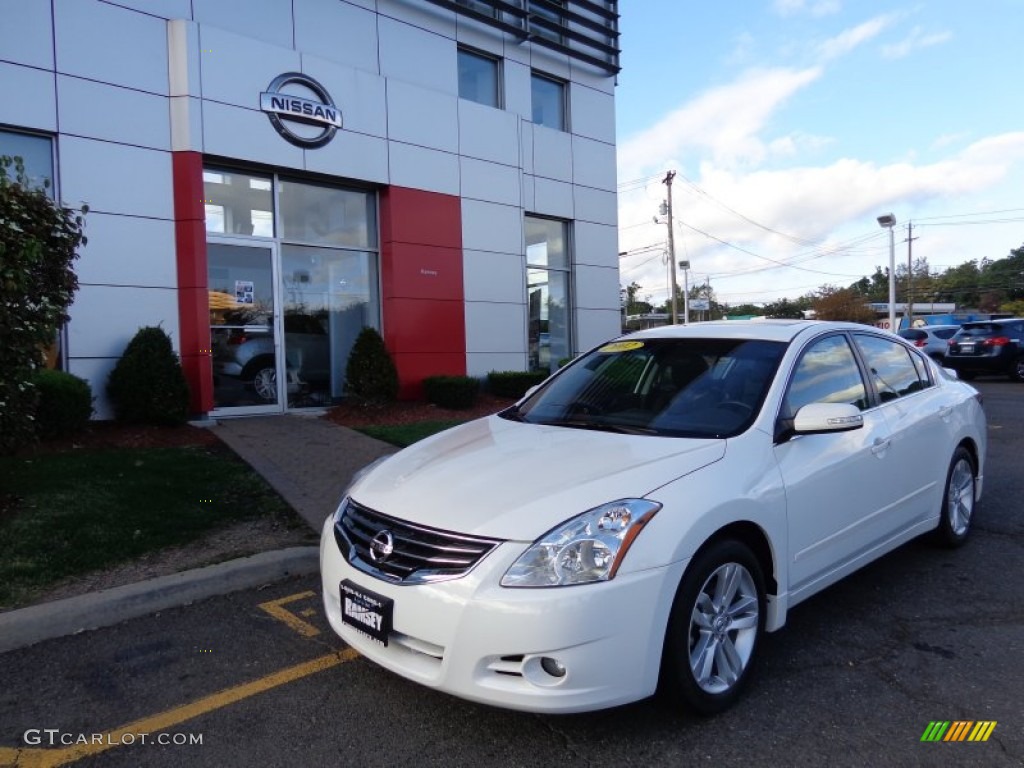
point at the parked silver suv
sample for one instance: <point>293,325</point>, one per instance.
<point>246,352</point>
<point>933,339</point>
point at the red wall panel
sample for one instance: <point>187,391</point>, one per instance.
<point>421,272</point>
<point>421,282</point>
<point>193,299</point>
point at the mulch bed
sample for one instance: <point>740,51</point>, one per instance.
<point>110,434</point>
<point>352,415</point>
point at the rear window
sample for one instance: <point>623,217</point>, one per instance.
<point>912,334</point>
<point>980,331</point>
<point>945,333</point>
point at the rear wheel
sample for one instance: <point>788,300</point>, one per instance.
<point>714,629</point>
<point>1017,369</point>
<point>958,500</point>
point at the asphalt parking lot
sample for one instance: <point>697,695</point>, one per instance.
<point>855,678</point>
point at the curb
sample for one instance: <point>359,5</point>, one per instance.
<point>27,626</point>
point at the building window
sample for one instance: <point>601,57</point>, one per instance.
<point>238,203</point>
<point>549,338</point>
<point>36,153</point>
<point>479,78</point>
<point>546,19</point>
<point>548,101</point>
<point>299,280</point>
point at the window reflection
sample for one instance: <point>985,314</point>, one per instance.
<point>238,204</point>
<point>316,214</point>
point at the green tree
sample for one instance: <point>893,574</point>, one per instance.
<point>39,241</point>
<point>833,303</point>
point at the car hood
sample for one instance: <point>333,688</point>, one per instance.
<point>509,480</point>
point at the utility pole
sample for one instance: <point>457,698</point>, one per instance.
<point>910,275</point>
<point>671,245</point>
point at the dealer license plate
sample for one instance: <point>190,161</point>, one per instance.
<point>366,611</point>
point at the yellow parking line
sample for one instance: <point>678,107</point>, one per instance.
<point>276,609</point>
<point>49,758</point>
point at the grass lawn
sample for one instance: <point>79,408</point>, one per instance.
<point>64,514</point>
<point>407,434</point>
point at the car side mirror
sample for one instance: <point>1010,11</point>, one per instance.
<point>823,418</point>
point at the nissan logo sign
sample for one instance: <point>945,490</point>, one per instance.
<point>289,113</point>
<point>382,546</point>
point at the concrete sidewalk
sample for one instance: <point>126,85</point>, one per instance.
<point>307,459</point>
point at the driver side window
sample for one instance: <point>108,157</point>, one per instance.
<point>827,373</point>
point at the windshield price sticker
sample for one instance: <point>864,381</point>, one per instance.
<point>621,346</point>
<point>366,611</point>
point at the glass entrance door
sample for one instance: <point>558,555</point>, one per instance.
<point>247,374</point>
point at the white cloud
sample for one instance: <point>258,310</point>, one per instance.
<point>827,205</point>
<point>913,42</point>
<point>849,39</point>
<point>816,9</point>
<point>723,121</point>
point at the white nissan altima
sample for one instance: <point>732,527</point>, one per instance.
<point>640,519</point>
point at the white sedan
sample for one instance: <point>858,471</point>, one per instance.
<point>638,521</point>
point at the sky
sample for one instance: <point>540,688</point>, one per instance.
<point>793,124</point>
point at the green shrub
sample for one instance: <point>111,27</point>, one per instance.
<point>65,404</point>
<point>456,392</point>
<point>147,386</point>
<point>513,384</point>
<point>370,376</point>
<point>39,240</point>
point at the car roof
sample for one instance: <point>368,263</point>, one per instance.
<point>999,321</point>
<point>766,330</point>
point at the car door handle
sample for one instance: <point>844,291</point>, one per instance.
<point>880,446</point>
<point>945,411</point>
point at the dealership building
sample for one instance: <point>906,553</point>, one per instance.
<point>267,177</point>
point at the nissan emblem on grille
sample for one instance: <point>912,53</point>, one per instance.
<point>382,546</point>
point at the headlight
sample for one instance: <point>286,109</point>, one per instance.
<point>585,549</point>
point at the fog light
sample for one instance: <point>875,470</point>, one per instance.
<point>552,666</point>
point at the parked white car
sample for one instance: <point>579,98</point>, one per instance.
<point>646,514</point>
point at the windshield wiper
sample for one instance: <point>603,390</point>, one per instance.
<point>512,414</point>
<point>622,429</point>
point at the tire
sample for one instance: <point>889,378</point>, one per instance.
<point>711,643</point>
<point>265,384</point>
<point>1017,369</point>
<point>957,511</point>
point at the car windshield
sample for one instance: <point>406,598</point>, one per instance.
<point>706,388</point>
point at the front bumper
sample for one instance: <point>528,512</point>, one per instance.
<point>474,639</point>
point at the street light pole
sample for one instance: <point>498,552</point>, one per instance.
<point>888,221</point>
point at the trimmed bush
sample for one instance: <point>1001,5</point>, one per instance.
<point>39,240</point>
<point>455,392</point>
<point>147,386</point>
<point>513,384</point>
<point>371,376</point>
<point>65,404</point>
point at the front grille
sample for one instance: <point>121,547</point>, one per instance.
<point>420,554</point>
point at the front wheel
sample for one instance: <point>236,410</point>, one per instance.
<point>715,628</point>
<point>265,384</point>
<point>958,500</point>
